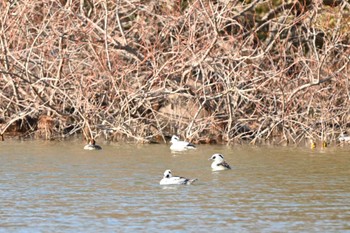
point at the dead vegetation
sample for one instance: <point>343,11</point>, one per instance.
<point>209,71</point>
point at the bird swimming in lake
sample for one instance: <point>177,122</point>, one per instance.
<point>312,144</point>
<point>324,144</point>
<point>219,163</point>
<point>169,179</point>
<point>92,145</point>
<point>344,137</point>
<point>178,145</point>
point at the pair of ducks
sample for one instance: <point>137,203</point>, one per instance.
<point>218,164</point>
<point>177,145</point>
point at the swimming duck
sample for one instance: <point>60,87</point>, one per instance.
<point>178,145</point>
<point>312,144</point>
<point>169,179</point>
<point>324,144</point>
<point>92,146</point>
<point>344,137</point>
<point>219,163</point>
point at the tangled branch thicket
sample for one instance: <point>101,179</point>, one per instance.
<point>209,71</point>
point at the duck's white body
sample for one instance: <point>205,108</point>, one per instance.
<point>169,179</point>
<point>344,138</point>
<point>219,163</point>
<point>92,146</point>
<point>177,145</point>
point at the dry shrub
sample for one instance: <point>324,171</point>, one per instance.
<point>205,70</point>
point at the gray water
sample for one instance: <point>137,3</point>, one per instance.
<point>59,187</point>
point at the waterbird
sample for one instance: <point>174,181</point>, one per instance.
<point>312,143</point>
<point>219,163</point>
<point>169,179</point>
<point>344,137</point>
<point>324,144</point>
<point>178,145</point>
<point>92,145</point>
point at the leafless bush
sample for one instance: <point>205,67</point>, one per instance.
<point>206,70</point>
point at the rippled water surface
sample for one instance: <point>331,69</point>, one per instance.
<point>59,187</point>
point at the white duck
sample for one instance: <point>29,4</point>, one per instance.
<point>344,137</point>
<point>177,145</point>
<point>169,179</point>
<point>219,163</point>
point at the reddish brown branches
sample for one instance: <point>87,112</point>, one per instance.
<point>144,70</point>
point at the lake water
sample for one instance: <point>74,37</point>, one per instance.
<point>59,187</point>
